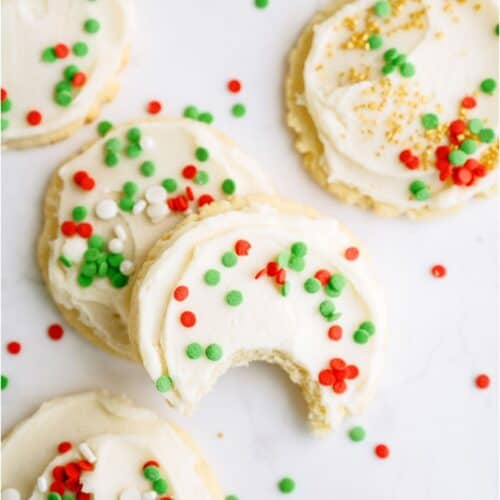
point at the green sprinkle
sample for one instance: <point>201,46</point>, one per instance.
<point>407,70</point>
<point>430,121</point>
<point>399,60</point>
<point>238,110</point>
<point>84,281</point>
<point>133,150</point>
<point>417,186</point>
<point>79,213</point>
<point>475,125</point>
<point>6,105</point>
<point>286,485</point>
<point>104,127</point>
<point>191,112</point>
<point>368,326</point>
<point>489,86</point>
<point>113,144</point>
<point>283,258</point>
<point>126,203</point>
<point>234,298</point>
<point>327,309</point>
<point>70,71</point>
<point>151,472</point>
<point>285,289</point>
<point>457,157</point>
<point>112,159</point>
<point>330,291</point>
<point>119,280</point>
<point>299,249</point>
<point>102,269</point>
<point>357,434</point>
<point>130,188</point>
<point>160,486</point>
<point>375,42</point>
<point>206,117</point>
<point>65,261</point>
<point>201,178</point>
<point>80,49</point>
<point>497,29</point>
<point>228,186</point>
<point>63,85</point>
<point>213,352</point>
<point>49,55</point>
<point>390,55</point>
<point>96,241</point>
<point>337,282</point>
<point>297,264</point>
<point>148,168</point>
<point>169,184</point>
<point>194,350</point>
<point>231,497</point>
<point>89,269</point>
<point>422,195</point>
<point>487,135</point>
<point>212,277</point>
<point>312,285</point>
<point>388,68</point>
<point>202,154</point>
<point>115,259</point>
<point>5,382</point>
<point>63,97</point>
<point>469,146</point>
<point>53,496</point>
<point>361,336</point>
<point>134,134</point>
<point>229,259</point>
<point>4,124</point>
<point>164,383</point>
<point>68,496</point>
<point>261,4</point>
<point>91,26</point>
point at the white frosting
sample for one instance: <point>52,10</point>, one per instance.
<point>122,438</point>
<point>265,321</point>
<point>29,27</point>
<point>453,50</point>
<point>101,306</point>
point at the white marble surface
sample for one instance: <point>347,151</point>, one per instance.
<point>441,430</point>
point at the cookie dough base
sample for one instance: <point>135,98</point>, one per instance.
<point>317,412</point>
<point>309,145</point>
<point>107,95</point>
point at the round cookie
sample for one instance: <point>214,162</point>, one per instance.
<point>379,122</point>
<point>99,446</point>
<point>106,207</point>
<point>261,279</point>
<point>61,61</point>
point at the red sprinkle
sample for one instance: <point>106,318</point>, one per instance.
<point>457,127</point>
<point>382,451</point>
<point>68,228</point>
<point>189,172</point>
<point>34,117</point>
<point>469,102</point>
<point>188,319</point>
<point>260,273</point>
<point>351,372</point>
<point>61,50</point>
<point>323,276</point>
<point>151,463</point>
<point>442,152</point>
<point>281,277</point>
<point>181,293</point>
<point>242,247</point>
<point>79,177</point>
<point>58,473</point>
<point>234,86</point>
<point>85,229</point>
<point>339,387</point>
<point>64,446</point>
<point>85,465</point>
<point>55,331</point>
<point>58,487</point>
<point>4,94</point>
<point>272,268</point>
<point>352,253</point>
<point>335,332</point>
<point>326,377</point>
<point>189,193</point>
<point>462,176</point>
<point>337,364</point>
<point>438,271</point>
<point>87,184</point>
<point>14,347</point>
<point>482,381</point>
<point>154,107</point>
<point>205,199</point>
<point>79,79</point>
<point>413,163</point>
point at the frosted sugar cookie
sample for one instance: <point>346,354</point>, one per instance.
<point>61,60</point>
<point>94,445</point>
<point>261,279</point>
<point>107,206</point>
<point>394,103</point>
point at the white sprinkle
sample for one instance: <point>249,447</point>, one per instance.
<point>87,453</point>
<point>148,143</point>
<point>106,209</point>
<point>120,232</point>
<point>115,245</point>
<point>139,207</point>
<point>74,248</point>
<point>127,267</point>
<point>130,494</point>
<point>11,494</point>
<point>157,211</point>
<point>149,495</point>
<point>156,194</point>
<point>42,485</point>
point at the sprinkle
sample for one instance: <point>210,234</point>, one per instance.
<point>61,50</point>
<point>155,194</point>
<point>154,107</point>
<point>34,118</point>
<point>201,178</point>
<point>205,199</point>
<point>419,190</point>
<point>55,331</point>
<point>213,352</point>
<point>482,381</point>
<point>49,55</point>
<point>189,172</point>
<point>42,484</point>
<point>79,79</point>
<point>357,434</point>
<point>487,135</point>
<point>79,213</point>
<point>229,259</point>
<point>164,383</point>
<point>212,277</point>
<point>202,154</point>
<point>299,249</point>
<point>133,150</point>
<point>70,71</point>
<point>242,247</point>
<point>228,186</point>
<point>231,497</point>
<point>469,146</point>
<point>390,55</point>
<point>4,382</point>
<point>188,319</point>
<point>127,267</point>
<point>361,336</point>
<point>489,86</point>
<point>64,446</point>
<point>351,253</point>
<point>335,332</point>
<point>13,347</point>
<point>87,453</point>
<point>160,485</point>
<point>234,298</point>
<point>191,112</point>
<point>407,70</point>
<point>170,185</point>
<point>375,42</point>
<point>206,117</point>
<point>297,264</point>
<point>115,245</point>
<point>234,86</point>
<point>430,121</point>
<point>312,285</point>
<point>238,110</point>
<point>104,127</point>
<point>327,309</point>
<point>323,276</point>
<point>382,451</point>
<point>286,485</point>
<point>80,49</point>
<point>194,350</point>
<point>148,168</point>
<point>106,209</point>
<point>469,102</point>
<point>475,125</point>
<point>181,293</point>
<point>91,26</point>
<point>261,4</point>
